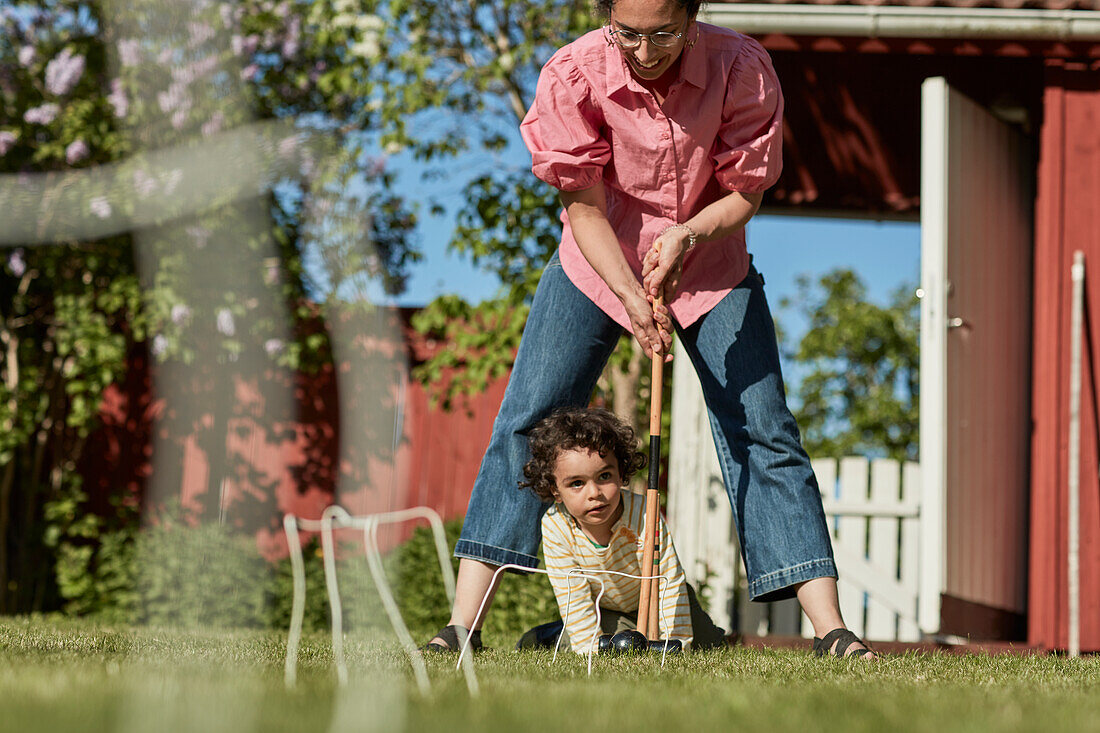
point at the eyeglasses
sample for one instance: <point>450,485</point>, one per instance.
<point>633,39</point>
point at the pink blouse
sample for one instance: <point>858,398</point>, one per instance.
<point>720,129</point>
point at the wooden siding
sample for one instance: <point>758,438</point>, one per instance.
<point>293,442</point>
<point>1067,219</point>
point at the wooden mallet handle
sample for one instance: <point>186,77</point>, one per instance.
<point>649,601</point>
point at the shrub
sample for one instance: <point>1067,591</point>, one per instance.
<point>202,575</point>
<point>177,573</point>
<point>520,603</point>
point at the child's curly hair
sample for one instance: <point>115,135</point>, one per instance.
<point>578,428</point>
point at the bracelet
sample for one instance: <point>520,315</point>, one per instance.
<point>692,236</point>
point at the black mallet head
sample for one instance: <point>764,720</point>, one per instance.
<point>629,642</point>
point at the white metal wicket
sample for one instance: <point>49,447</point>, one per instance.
<point>336,517</point>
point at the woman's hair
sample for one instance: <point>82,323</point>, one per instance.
<point>603,7</point>
<point>578,428</point>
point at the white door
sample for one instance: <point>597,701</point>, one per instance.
<point>976,264</point>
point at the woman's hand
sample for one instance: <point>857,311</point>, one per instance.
<point>651,324</point>
<point>663,264</point>
<point>587,211</point>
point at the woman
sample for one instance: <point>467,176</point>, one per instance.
<point>662,134</point>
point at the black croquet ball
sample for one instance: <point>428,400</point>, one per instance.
<point>629,642</point>
<point>605,644</point>
<point>658,646</point>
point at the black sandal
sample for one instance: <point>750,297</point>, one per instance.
<point>844,639</point>
<point>449,634</point>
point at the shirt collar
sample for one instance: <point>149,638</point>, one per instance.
<point>693,65</point>
<point>618,74</point>
<point>693,62</point>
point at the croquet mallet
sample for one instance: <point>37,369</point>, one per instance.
<point>649,600</point>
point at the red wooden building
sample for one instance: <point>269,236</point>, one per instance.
<point>250,445</point>
<point>980,118</point>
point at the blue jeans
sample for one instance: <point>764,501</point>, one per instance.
<point>772,489</point>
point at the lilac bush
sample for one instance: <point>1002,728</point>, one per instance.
<point>63,72</point>
<point>82,89</point>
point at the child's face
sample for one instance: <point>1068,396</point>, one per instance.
<point>588,484</point>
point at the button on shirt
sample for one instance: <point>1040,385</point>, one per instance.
<point>719,130</point>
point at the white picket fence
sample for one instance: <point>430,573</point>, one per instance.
<point>873,510</point>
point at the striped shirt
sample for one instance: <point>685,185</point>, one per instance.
<point>566,547</point>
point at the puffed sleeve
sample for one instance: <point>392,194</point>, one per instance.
<point>748,154</point>
<point>562,128</point>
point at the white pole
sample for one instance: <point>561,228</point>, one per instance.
<point>1073,533</point>
<point>935,195</point>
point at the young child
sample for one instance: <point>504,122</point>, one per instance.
<point>581,459</point>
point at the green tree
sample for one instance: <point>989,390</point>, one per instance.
<point>458,78</point>
<point>859,364</point>
<point>111,85</point>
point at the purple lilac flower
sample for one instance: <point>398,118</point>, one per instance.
<point>27,55</point>
<point>100,207</point>
<point>193,71</point>
<point>63,72</point>
<point>42,115</point>
<point>199,33</point>
<point>144,183</point>
<point>214,124</point>
<point>244,45</point>
<point>180,314</point>
<point>249,72</point>
<point>7,141</point>
<point>173,98</point>
<point>273,346</point>
<point>293,37</point>
<point>129,52</point>
<point>160,345</point>
<point>76,152</point>
<point>225,322</point>
<point>117,98</point>
<point>16,263</point>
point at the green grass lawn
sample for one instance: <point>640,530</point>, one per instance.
<point>58,675</point>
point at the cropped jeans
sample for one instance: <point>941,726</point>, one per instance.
<point>772,489</point>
